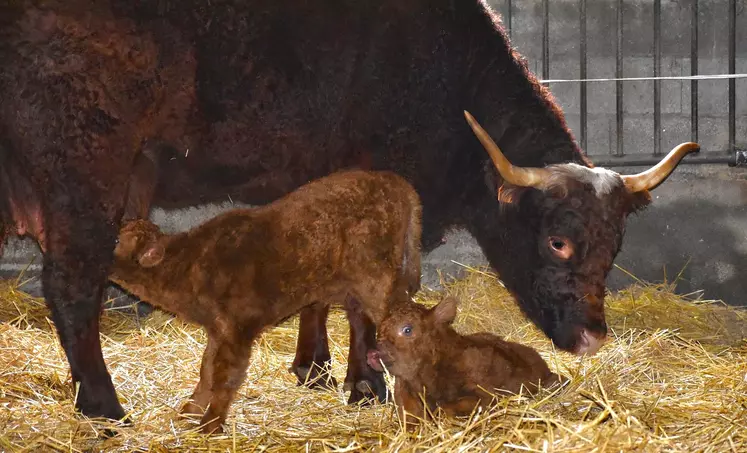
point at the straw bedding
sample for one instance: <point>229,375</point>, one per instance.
<point>673,377</point>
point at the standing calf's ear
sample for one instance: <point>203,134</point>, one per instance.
<point>152,256</point>
<point>445,311</point>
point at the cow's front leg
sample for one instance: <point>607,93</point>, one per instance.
<point>313,364</point>
<point>80,242</point>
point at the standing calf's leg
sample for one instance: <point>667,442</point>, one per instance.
<point>312,364</point>
<point>76,265</point>
<point>362,380</point>
<point>228,373</point>
<point>200,398</point>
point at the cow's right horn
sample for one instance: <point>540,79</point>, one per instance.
<point>655,175</point>
<point>518,176</point>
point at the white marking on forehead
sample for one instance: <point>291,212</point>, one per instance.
<point>602,179</point>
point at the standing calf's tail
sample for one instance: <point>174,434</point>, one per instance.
<point>411,259</point>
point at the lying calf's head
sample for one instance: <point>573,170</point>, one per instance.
<point>409,337</point>
<point>139,240</point>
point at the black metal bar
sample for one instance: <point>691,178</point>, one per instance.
<point>510,14</point>
<point>657,73</point>
<point>582,71</point>
<point>732,70</point>
<point>694,71</point>
<point>545,39</point>
<point>633,160</point>
<point>618,74</point>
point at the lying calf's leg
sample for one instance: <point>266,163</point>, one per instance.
<point>200,398</point>
<point>229,370</point>
<point>409,405</point>
<point>463,406</point>
<point>313,364</point>
<point>361,380</point>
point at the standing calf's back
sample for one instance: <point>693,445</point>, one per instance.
<point>351,234</point>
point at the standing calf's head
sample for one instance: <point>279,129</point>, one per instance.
<point>139,240</point>
<point>565,225</point>
<point>409,337</point>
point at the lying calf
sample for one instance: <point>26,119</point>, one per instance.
<point>351,237</point>
<point>455,372</point>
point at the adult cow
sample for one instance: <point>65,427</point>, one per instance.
<point>249,99</point>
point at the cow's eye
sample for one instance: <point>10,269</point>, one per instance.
<point>406,330</point>
<point>560,247</point>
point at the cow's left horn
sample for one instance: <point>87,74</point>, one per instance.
<point>518,176</point>
<point>649,179</point>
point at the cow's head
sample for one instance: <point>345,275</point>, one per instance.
<point>572,221</point>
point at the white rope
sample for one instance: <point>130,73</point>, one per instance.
<point>624,79</point>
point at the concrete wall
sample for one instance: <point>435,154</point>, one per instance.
<point>638,51</point>
<point>697,225</point>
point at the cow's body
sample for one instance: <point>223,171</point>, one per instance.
<point>250,99</point>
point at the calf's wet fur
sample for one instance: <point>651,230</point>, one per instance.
<point>351,238</point>
<point>433,363</point>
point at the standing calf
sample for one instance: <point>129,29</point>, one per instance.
<point>421,349</point>
<point>350,238</point>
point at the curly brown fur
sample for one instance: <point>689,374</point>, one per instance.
<point>250,99</point>
<point>433,363</point>
<point>349,236</point>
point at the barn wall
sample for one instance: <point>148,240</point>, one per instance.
<point>698,220</point>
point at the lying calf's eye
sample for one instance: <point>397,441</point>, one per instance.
<point>407,330</point>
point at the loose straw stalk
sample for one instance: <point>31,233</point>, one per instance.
<point>673,377</point>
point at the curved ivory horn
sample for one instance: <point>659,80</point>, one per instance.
<point>518,176</point>
<point>655,175</point>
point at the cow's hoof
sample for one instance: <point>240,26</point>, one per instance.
<point>111,410</point>
<point>115,426</point>
<point>315,376</point>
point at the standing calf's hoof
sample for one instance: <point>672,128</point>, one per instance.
<point>315,376</point>
<point>191,410</point>
<point>366,390</point>
<point>211,424</point>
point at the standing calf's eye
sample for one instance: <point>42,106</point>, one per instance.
<point>560,247</point>
<point>406,330</point>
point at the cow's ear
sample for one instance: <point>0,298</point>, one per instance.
<point>507,194</point>
<point>510,195</point>
<point>445,311</point>
<point>152,255</point>
<point>639,201</point>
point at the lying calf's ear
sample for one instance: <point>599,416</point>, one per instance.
<point>152,256</point>
<point>445,311</point>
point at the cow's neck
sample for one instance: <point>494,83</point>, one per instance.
<point>518,112</point>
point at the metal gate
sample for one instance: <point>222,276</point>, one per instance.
<point>728,152</point>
